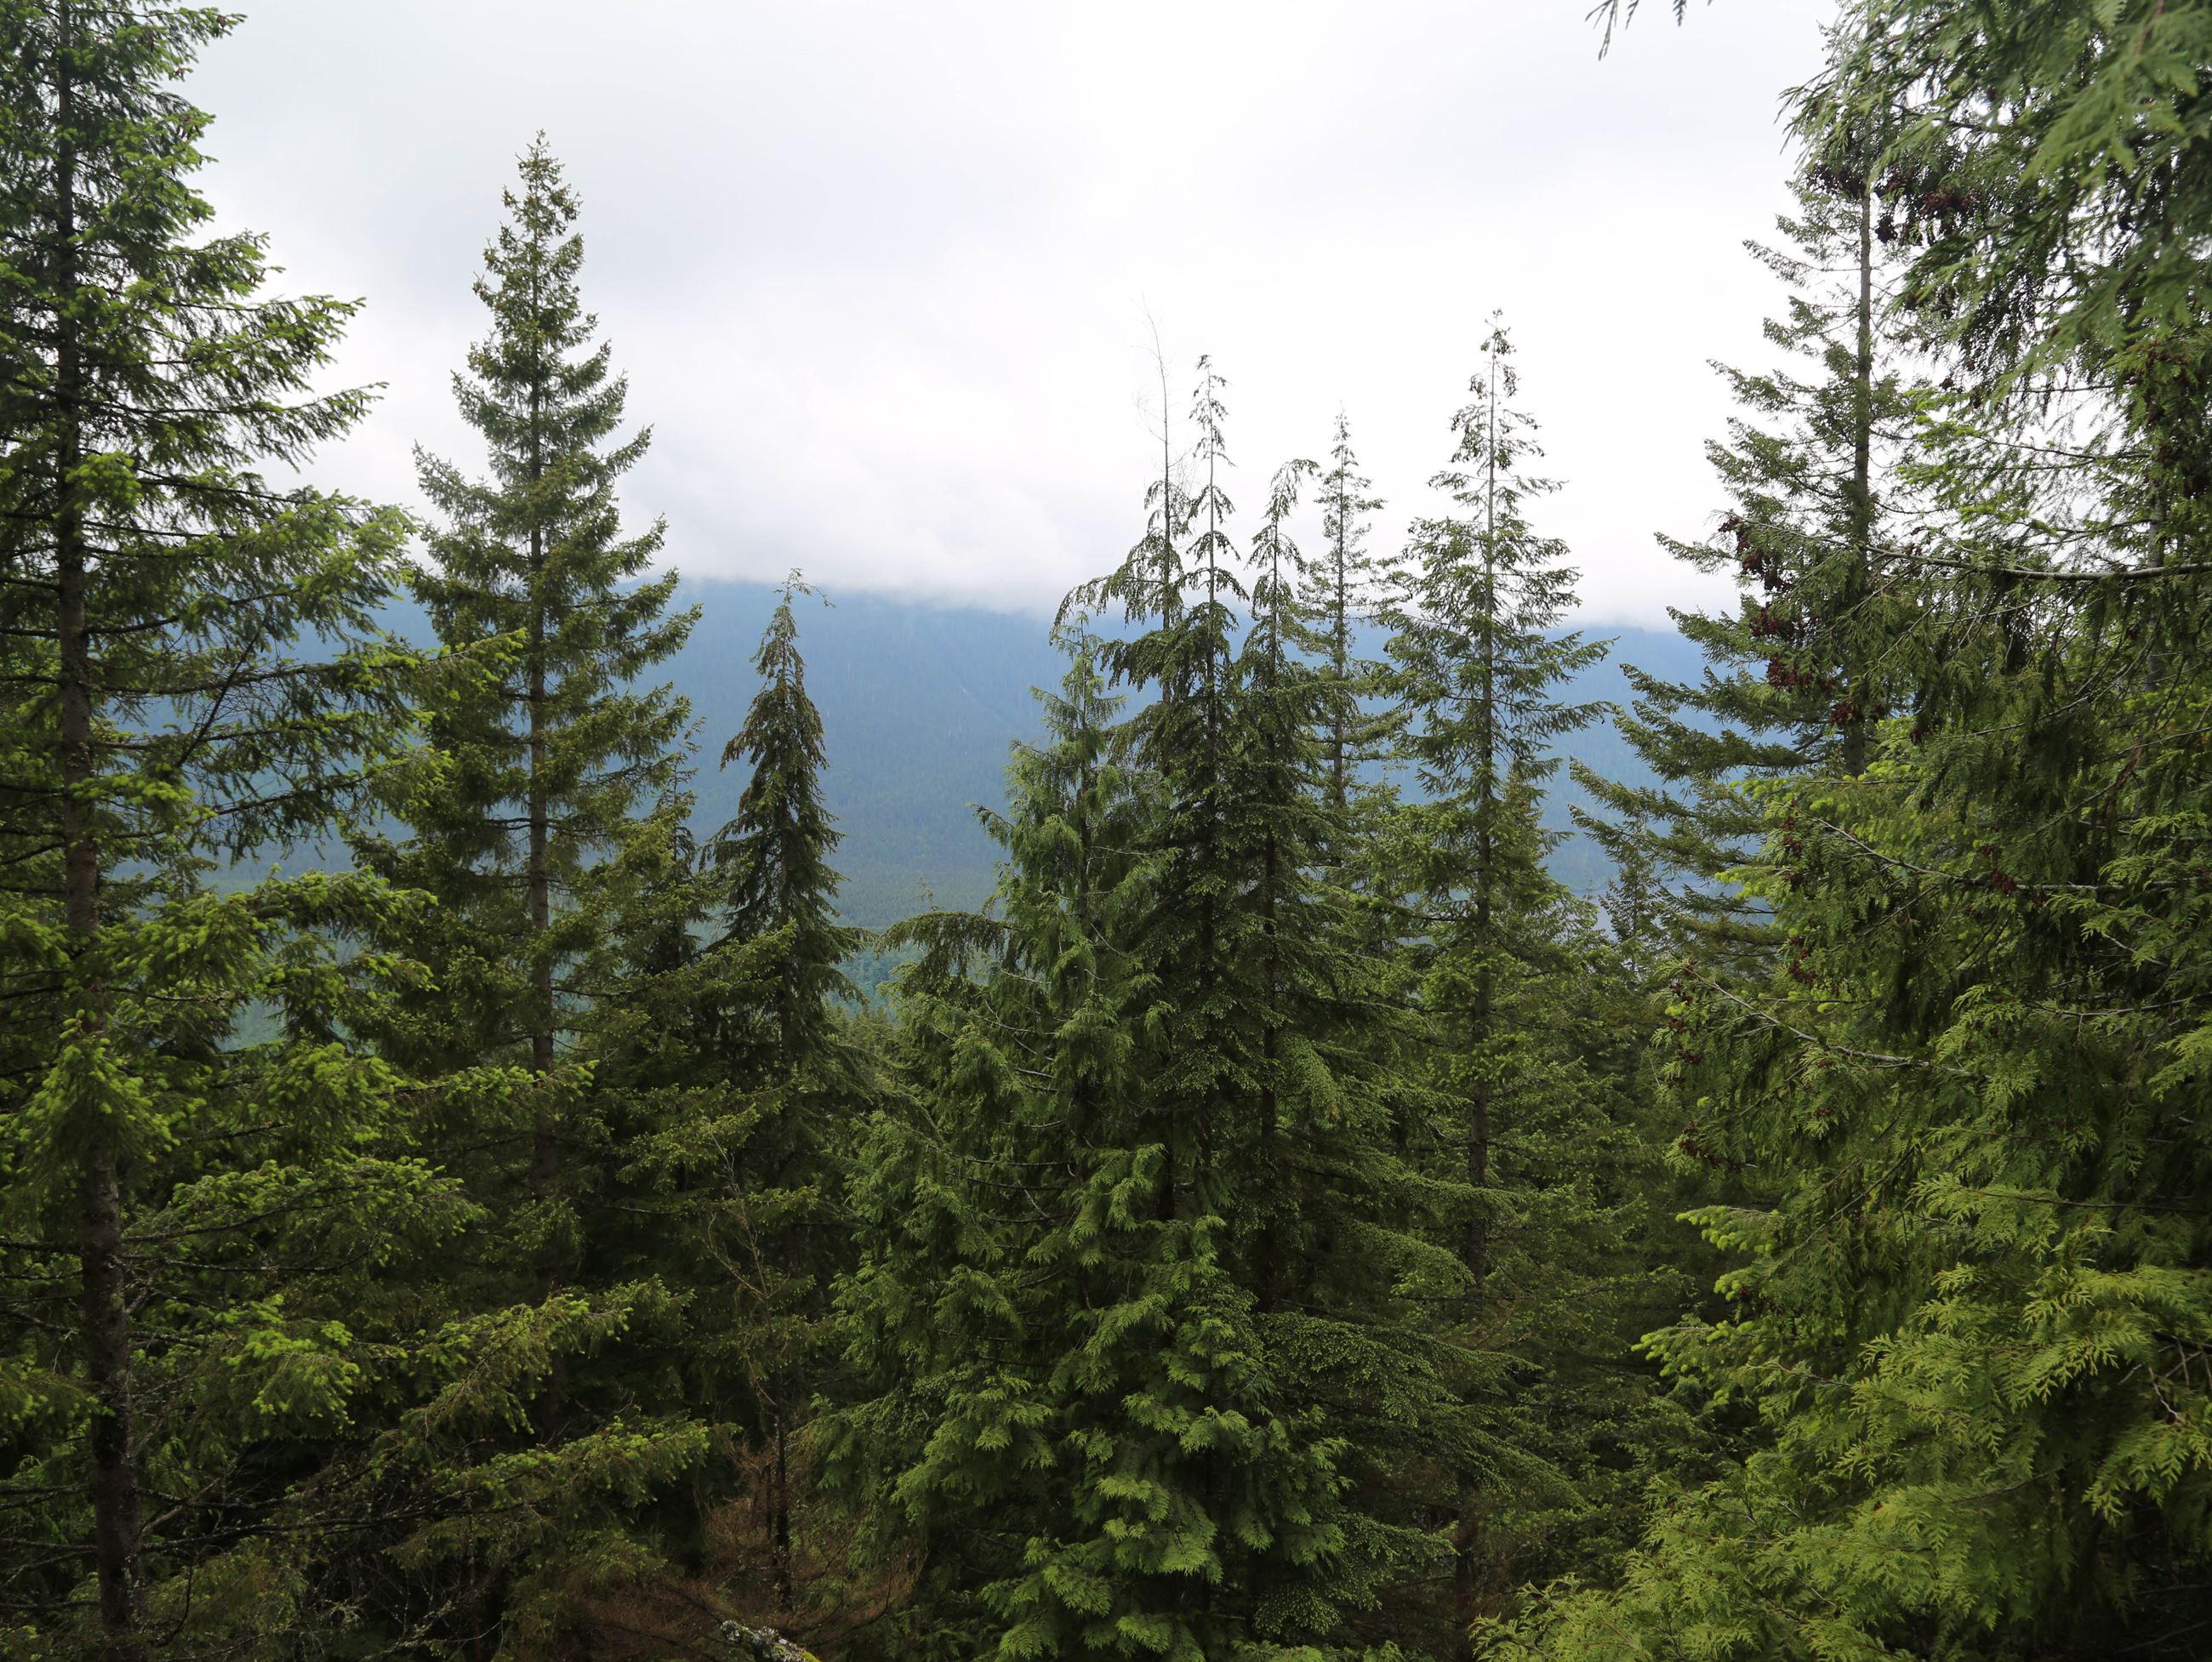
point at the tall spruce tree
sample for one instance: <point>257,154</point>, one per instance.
<point>1125,1308</point>
<point>778,894</point>
<point>1202,1516</point>
<point>999,1207</point>
<point>1343,586</point>
<point>1477,669</point>
<point>1182,737</point>
<point>741,1092</point>
<point>1529,1146</point>
<point>194,1163</point>
<point>775,854</point>
<point>548,828</point>
<point>1344,1277</point>
<point>1271,806</point>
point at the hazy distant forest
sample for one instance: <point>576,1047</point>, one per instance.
<point>1286,1222</point>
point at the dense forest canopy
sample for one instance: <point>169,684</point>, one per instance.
<point>1285,1221</point>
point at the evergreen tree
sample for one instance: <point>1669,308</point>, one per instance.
<point>1799,670</point>
<point>779,896</point>
<point>1201,1511</point>
<point>1273,809</point>
<point>1342,1284</point>
<point>548,830</point>
<point>1529,1146</point>
<point>746,1087</point>
<point>1182,738</point>
<point>774,855</point>
<point>999,1212</point>
<point>1342,587</point>
<point>1136,1212</point>
<point>1972,1321</point>
<point>1476,671</point>
<point>195,1162</point>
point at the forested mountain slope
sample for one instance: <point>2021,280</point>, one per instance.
<point>1294,1225</point>
<point>920,703</point>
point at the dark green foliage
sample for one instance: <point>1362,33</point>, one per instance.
<point>999,1217</point>
<point>1970,1309</point>
<point>1343,587</point>
<point>764,1173</point>
<point>773,857</point>
<point>2075,223</point>
<point>1120,1295</point>
<point>1529,1150</point>
<point>1798,674</point>
<point>1247,1236</point>
<point>188,672</point>
<point>546,824</point>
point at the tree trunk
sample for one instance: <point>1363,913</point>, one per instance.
<point>103,1303</point>
<point>1472,1593</point>
<point>544,1143</point>
<point>1856,715</point>
<point>780,1504</point>
<point>543,1151</point>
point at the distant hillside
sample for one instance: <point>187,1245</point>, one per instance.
<point>919,705</point>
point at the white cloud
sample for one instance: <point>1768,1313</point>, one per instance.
<point>880,274</point>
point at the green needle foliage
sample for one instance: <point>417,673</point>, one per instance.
<point>1799,670</point>
<point>1285,1224</point>
<point>195,1162</point>
<point>548,826</point>
<point>774,858</point>
<point>999,1212</point>
<point>1971,1315</point>
<point>1344,1276</point>
<point>797,1076</point>
<point>1343,586</point>
<point>2078,144</point>
<point>1120,1295</point>
<point>1529,1153</point>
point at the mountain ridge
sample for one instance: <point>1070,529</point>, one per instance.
<point>920,704</point>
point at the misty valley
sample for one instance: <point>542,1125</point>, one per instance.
<point>1318,1102</point>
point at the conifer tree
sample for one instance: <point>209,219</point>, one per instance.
<point>1139,1204</point>
<point>778,896</point>
<point>742,1091</point>
<point>550,832</point>
<point>1343,586</point>
<point>1205,1505</point>
<point>774,855</point>
<point>1183,738</point>
<point>1342,1284</point>
<point>1000,1213</point>
<point>1529,1152</point>
<point>1476,672</point>
<point>1272,808</point>
<point>1972,1320</point>
<point>194,1161</point>
<point>1799,671</point>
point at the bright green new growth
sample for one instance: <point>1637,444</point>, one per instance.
<point>1972,1299</point>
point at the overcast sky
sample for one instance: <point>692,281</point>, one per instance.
<point>881,274</point>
